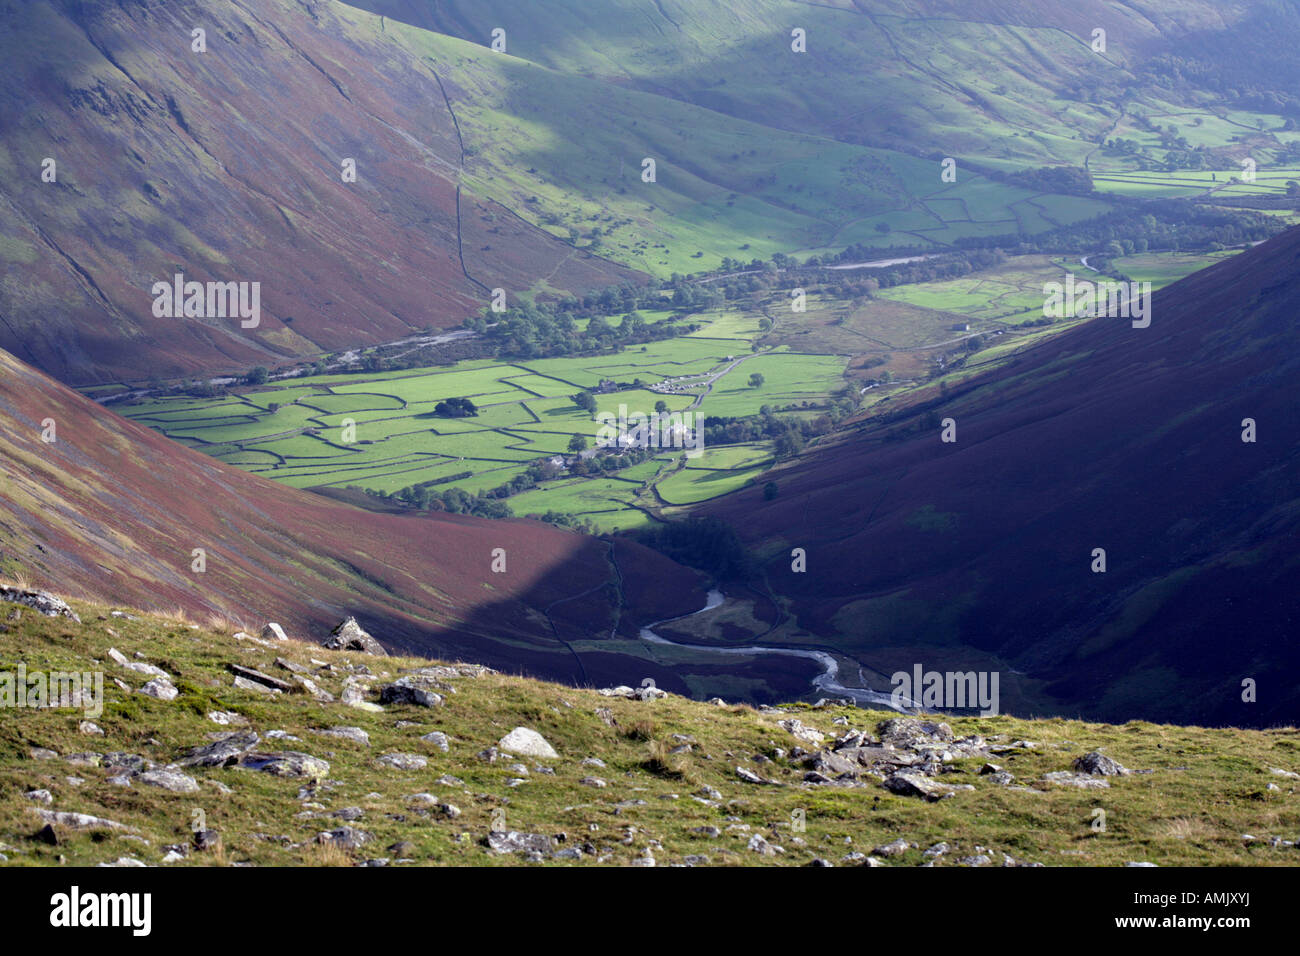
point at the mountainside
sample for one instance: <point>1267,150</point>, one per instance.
<point>987,79</point>
<point>212,748</point>
<point>112,510</point>
<point>227,165</point>
<point>980,552</point>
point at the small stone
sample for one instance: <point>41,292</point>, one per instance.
<point>354,734</point>
<point>759,844</point>
<point>117,657</point>
<point>512,841</point>
<point>160,688</point>
<point>438,740</point>
<point>403,761</point>
<point>1098,763</point>
<point>897,848</point>
<point>409,690</point>
<point>171,780</point>
<point>289,763</point>
<point>225,751</point>
<point>346,837</point>
<point>528,743</point>
<point>1083,781</point>
<point>80,821</point>
<point>916,785</point>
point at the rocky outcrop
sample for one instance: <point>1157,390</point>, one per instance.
<point>350,636</point>
<point>412,689</point>
<point>222,752</point>
<point>512,841</point>
<point>42,602</point>
<point>1098,763</point>
<point>289,763</point>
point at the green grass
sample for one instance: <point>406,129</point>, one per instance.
<point>1205,789</point>
<point>1162,268</point>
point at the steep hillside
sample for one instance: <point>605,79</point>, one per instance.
<point>313,759</point>
<point>992,78</point>
<point>227,165</point>
<point>113,510</point>
<point>981,552</point>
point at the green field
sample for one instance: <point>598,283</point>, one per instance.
<point>1162,268</point>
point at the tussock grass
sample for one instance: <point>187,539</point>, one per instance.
<point>1206,789</point>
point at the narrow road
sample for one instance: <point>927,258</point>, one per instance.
<point>827,682</point>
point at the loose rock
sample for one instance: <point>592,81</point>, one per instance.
<point>528,743</point>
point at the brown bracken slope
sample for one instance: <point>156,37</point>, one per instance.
<point>110,509</point>
<point>226,165</point>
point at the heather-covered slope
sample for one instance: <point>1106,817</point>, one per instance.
<point>113,510</point>
<point>227,165</point>
<point>980,552</point>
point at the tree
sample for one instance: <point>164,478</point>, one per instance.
<point>787,444</point>
<point>577,443</point>
<point>586,401</point>
<point>661,406</point>
<point>455,408</point>
<point>258,375</point>
<point>770,490</point>
<point>756,380</point>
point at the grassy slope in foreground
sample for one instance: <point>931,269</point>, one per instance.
<point>1205,790</point>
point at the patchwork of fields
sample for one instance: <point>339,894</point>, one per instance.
<point>1223,183</point>
<point>379,431</point>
